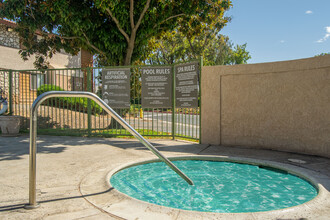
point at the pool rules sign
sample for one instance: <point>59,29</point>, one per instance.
<point>187,85</point>
<point>116,87</point>
<point>157,87</point>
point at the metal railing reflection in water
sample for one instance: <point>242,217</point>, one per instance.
<point>33,136</point>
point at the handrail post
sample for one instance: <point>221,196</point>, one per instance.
<point>33,138</point>
<point>32,158</point>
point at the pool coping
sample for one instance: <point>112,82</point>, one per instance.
<point>122,206</point>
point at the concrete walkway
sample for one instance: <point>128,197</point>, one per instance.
<point>63,163</point>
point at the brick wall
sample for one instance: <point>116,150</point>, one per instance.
<point>86,61</point>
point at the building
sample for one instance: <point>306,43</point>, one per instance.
<point>25,83</point>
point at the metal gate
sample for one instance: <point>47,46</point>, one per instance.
<point>82,117</point>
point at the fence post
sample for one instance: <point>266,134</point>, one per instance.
<point>89,104</point>
<point>10,79</point>
<point>173,104</point>
<point>200,99</point>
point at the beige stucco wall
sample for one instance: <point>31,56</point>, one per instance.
<point>282,105</point>
<point>11,59</point>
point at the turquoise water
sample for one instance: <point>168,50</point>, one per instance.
<point>222,187</point>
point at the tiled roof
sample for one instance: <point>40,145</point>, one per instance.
<point>8,23</point>
<point>13,24</point>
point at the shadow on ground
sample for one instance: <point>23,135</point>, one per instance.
<point>13,148</point>
<point>21,205</point>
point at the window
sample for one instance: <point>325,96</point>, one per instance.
<point>36,80</point>
<point>77,84</point>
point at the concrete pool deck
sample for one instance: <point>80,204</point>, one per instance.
<point>71,182</point>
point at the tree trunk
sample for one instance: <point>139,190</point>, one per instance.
<point>127,62</point>
<point>130,48</point>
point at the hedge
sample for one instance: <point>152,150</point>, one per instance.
<point>77,104</point>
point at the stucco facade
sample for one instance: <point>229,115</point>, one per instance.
<point>283,105</point>
<point>11,59</point>
<point>23,83</point>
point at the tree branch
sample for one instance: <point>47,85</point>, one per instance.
<point>51,35</point>
<point>32,15</point>
<point>169,18</point>
<point>131,13</point>
<point>67,38</point>
<point>191,46</point>
<point>117,24</point>
<point>164,55</point>
<point>91,45</point>
<point>157,57</point>
<point>173,48</point>
<point>207,38</point>
<point>142,15</point>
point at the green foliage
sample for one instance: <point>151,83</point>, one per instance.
<point>190,41</point>
<point>195,37</point>
<point>136,86</point>
<point>134,110</point>
<point>119,133</point>
<point>46,88</point>
<point>116,31</point>
<point>322,54</point>
<point>77,104</point>
<point>238,55</point>
<point>170,48</point>
<point>174,47</point>
<point>124,133</point>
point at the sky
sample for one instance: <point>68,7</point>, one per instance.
<point>277,30</point>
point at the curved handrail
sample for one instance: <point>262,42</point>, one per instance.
<point>33,136</point>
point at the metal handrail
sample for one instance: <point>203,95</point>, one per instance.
<point>33,136</point>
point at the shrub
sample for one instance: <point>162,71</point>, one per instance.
<point>46,88</point>
<point>77,104</point>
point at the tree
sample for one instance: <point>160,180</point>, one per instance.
<point>239,55</point>
<point>173,47</point>
<point>197,37</point>
<point>170,48</point>
<point>322,54</point>
<point>116,31</point>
